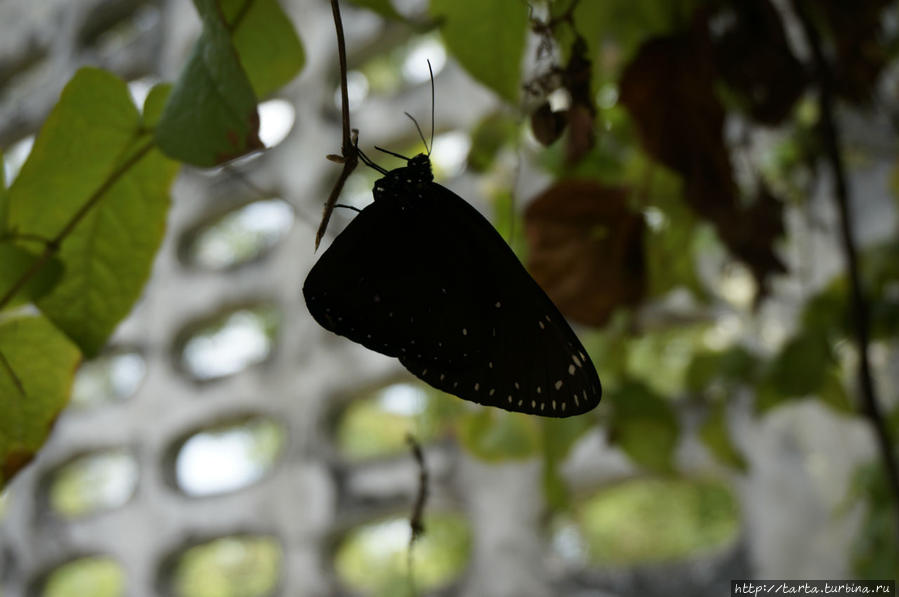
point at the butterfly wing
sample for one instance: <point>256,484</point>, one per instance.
<point>431,282</point>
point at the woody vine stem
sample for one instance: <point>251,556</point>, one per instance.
<point>859,306</point>
<point>349,156</point>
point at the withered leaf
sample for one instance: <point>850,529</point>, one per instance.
<point>586,249</point>
<point>669,89</point>
<point>859,52</point>
<point>753,57</point>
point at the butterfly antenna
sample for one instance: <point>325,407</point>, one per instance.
<point>393,153</point>
<point>420,134</point>
<point>368,161</point>
<point>431,71</point>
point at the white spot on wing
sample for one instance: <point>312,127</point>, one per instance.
<point>464,331</point>
<point>558,384</point>
<point>571,369</point>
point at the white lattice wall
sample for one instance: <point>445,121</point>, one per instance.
<point>310,494</point>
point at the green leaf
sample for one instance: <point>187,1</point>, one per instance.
<point>15,261</point>
<point>37,365</point>
<point>644,426</point>
<point>89,136</point>
<point>155,104</point>
<point>799,370</point>
<point>78,147</point>
<point>496,435</point>
<point>266,42</point>
<point>488,40</point>
<point>211,115</point>
<point>716,437</point>
<point>734,365</point>
<point>382,7</point>
<point>108,257</point>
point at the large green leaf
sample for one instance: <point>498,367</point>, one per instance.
<point>86,145</point>
<point>37,365</point>
<point>487,38</point>
<point>211,115</point>
<point>645,426</point>
<point>108,257</point>
<point>266,42</point>
<point>78,147</point>
<point>15,261</point>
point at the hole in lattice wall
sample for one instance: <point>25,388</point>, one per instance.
<point>389,71</point>
<point>238,565</point>
<point>227,456</point>
<point>229,342</point>
<point>239,236</point>
<point>643,521</point>
<point>4,500</point>
<point>114,23</point>
<point>92,483</point>
<point>371,559</point>
<point>15,156</point>
<point>375,423</point>
<point>111,377</point>
<point>276,117</point>
<point>96,576</point>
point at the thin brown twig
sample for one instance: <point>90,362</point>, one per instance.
<point>416,520</point>
<point>52,246</point>
<point>349,156</point>
<point>859,305</point>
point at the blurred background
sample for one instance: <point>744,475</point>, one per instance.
<point>665,186</point>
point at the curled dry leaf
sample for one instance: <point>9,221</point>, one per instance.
<point>547,125</point>
<point>586,249</point>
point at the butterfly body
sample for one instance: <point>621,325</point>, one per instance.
<point>422,276</point>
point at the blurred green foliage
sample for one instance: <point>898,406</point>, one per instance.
<point>372,558</point>
<point>94,576</point>
<point>229,567</point>
<point>653,520</point>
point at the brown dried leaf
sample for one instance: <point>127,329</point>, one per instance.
<point>754,58</point>
<point>586,249</point>
<point>669,90</point>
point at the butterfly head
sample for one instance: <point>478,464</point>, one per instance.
<point>406,182</point>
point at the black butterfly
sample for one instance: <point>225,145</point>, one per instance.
<point>422,276</point>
